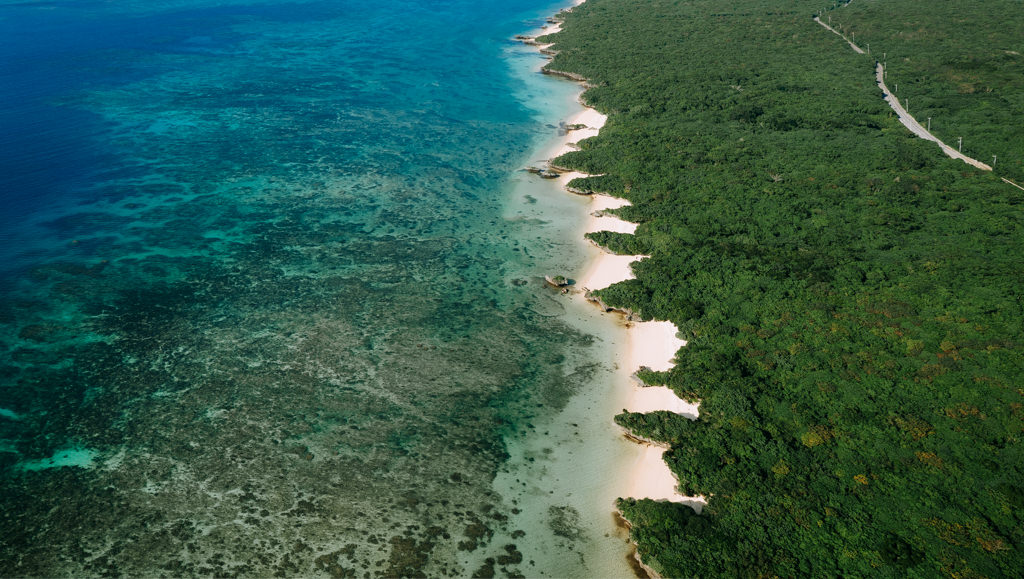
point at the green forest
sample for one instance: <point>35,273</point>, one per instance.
<point>852,297</point>
<point>959,63</point>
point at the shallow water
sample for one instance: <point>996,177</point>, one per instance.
<point>272,296</point>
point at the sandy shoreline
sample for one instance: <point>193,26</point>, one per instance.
<point>573,465</point>
<point>650,344</point>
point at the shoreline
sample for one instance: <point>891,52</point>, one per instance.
<point>648,344</point>
<point>565,473</point>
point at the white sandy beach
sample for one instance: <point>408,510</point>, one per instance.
<point>600,222</point>
<point>604,270</point>
<point>650,344</point>
<point>654,345</point>
<point>579,461</point>
<point>592,122</point>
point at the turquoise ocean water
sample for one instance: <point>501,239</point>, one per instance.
<point>264,306</point>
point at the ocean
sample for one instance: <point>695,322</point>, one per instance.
<point>272,299</point>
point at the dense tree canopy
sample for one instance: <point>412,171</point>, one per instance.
<point>958,63</point>
<point>851,296</point>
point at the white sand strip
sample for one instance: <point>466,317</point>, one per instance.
<point>655,481</point>
<point>552,29</point>
<point>592,121</point>
<point>653,344</point>
<point>653,398</point>
<point>608,222</point>
<point>607,268</point>
<point>604,270</point>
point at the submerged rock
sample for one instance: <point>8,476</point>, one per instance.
<point>544,172</point>
<point>565,128</point>
<point>558,281</point>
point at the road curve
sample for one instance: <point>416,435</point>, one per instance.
<point>912,124</point>
<point>905,118</point>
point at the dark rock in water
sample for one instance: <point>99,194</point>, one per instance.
<point>592,297</point>
<point>565,522</point>
<point>630,314</point>
<point>569,75</point>
<point>558,280</point>
<point>514,556</point>
<point>543,173</point>
<point>565,128</point>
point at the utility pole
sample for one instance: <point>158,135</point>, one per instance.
<point>993,160</point>
<point>960,144</point>
<point>907,105</point>
<point>929,123</point>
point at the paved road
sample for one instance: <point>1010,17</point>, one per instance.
<point>912,124</point>
<point>855,48</point>
<point>905,118</point>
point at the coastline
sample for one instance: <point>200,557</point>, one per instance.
<point>648,344</point>
<point>565,473</point>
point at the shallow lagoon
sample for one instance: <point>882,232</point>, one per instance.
<point>272,297</point>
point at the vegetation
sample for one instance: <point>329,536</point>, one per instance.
<point>851,296</point>
<point>958,63</point>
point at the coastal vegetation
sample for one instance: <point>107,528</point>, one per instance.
<point>850,295</point>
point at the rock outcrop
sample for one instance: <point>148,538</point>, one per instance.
<point>558,281</point>
<point>630,315</point>
<point>544,172</point>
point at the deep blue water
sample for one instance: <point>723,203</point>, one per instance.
<point>94,95</point>
<point>260,309</point>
